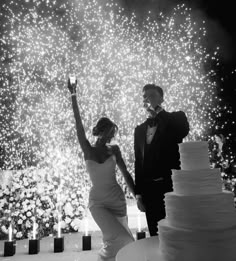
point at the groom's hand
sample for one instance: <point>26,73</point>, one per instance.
<point>140,203</point>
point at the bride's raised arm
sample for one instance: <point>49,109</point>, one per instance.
<point>84,143</point>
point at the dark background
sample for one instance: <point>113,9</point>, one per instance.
<point>219,17</point>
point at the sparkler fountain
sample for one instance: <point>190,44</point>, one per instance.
<point>112,57</point>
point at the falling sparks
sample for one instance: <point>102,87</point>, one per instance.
<point>113,58</point>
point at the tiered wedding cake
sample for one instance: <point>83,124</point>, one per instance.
<point>200,223</point>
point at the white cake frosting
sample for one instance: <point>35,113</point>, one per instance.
<point>178,244</point>
<point>200,221</point>
<point>205,181</point>
<point>214,211</point>
<point>194,155</point>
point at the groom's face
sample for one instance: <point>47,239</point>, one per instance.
<point>152,98</point>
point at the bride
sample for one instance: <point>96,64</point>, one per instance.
<point>107,202</point>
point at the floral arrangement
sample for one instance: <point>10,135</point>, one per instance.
<point>33,194</point>
<point>36,194</point>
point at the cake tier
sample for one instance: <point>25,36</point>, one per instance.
<point>213,211</point>
<point>194,155</point>
<point>193,245</point>
<point>189,182</point>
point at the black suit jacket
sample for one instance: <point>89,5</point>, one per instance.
<point>163,152</point>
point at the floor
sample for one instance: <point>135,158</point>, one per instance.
<point>73,243</point>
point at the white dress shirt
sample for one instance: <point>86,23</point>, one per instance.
<point>152,130</point>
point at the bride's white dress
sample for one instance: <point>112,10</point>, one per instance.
<point>107,205</point>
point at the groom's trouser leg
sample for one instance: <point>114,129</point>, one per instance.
<point>155,208</point>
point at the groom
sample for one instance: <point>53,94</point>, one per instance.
<point>156,154</point>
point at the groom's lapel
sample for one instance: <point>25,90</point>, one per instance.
<point>162,123</point>
<point>143,132</point>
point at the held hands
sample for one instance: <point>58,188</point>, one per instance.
<point>140,204</point>
<point>72,86</point>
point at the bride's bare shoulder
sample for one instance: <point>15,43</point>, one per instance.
<point>115,150</point>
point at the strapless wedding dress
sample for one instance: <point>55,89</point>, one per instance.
<point>107,205</point>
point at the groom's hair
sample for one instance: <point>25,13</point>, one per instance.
<point>103,124</point>
<point>152,86</point>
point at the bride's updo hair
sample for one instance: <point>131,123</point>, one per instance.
<point>103,124</point>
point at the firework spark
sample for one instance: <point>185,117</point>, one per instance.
<point>113,58</point>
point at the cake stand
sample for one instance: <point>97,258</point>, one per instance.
<point>141,250</point>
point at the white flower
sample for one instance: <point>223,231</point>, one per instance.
<point>68,209</point>
<point>17,186</point>
<point>17,213</point>
<point>68,220</point>
<point>28,214</point>
<point>80,208</point>
<point>74,202</point>
<point>47,225</point>
<point>19,234</point>
<point>22,195</point>
<point>63,224</point>
<point>4,229</point>
<point>50,187</point>
<point>40,212</point>
<point>40,188</point>
<point>34,189</point>
<point>25,208</point>
<point>17,204</point>
<point>6,191</point>
<point>73,195</point>
<point>76,223</point>
<point>20,221</point>
<point>27,224</point>
<point>2,202</point>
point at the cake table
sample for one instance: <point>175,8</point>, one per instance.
<point>141,250</point>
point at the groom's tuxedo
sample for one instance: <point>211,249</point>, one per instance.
<point>154,161</point>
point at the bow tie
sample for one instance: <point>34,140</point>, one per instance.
<point>152,122</point>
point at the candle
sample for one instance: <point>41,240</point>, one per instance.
<point>140,234</point>
<point>86,226</point>
<point>34,230</point>
<point>86,239</point>
<point>10,231</point>
<point>58,244</point>
<point>10,248</point>
<point>10,245</point>
<point>59,225</point>
<point>34,244</point>
<point>59,240</point>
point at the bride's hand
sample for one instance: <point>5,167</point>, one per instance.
<point>141,205</point>
<point>72,86</point>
